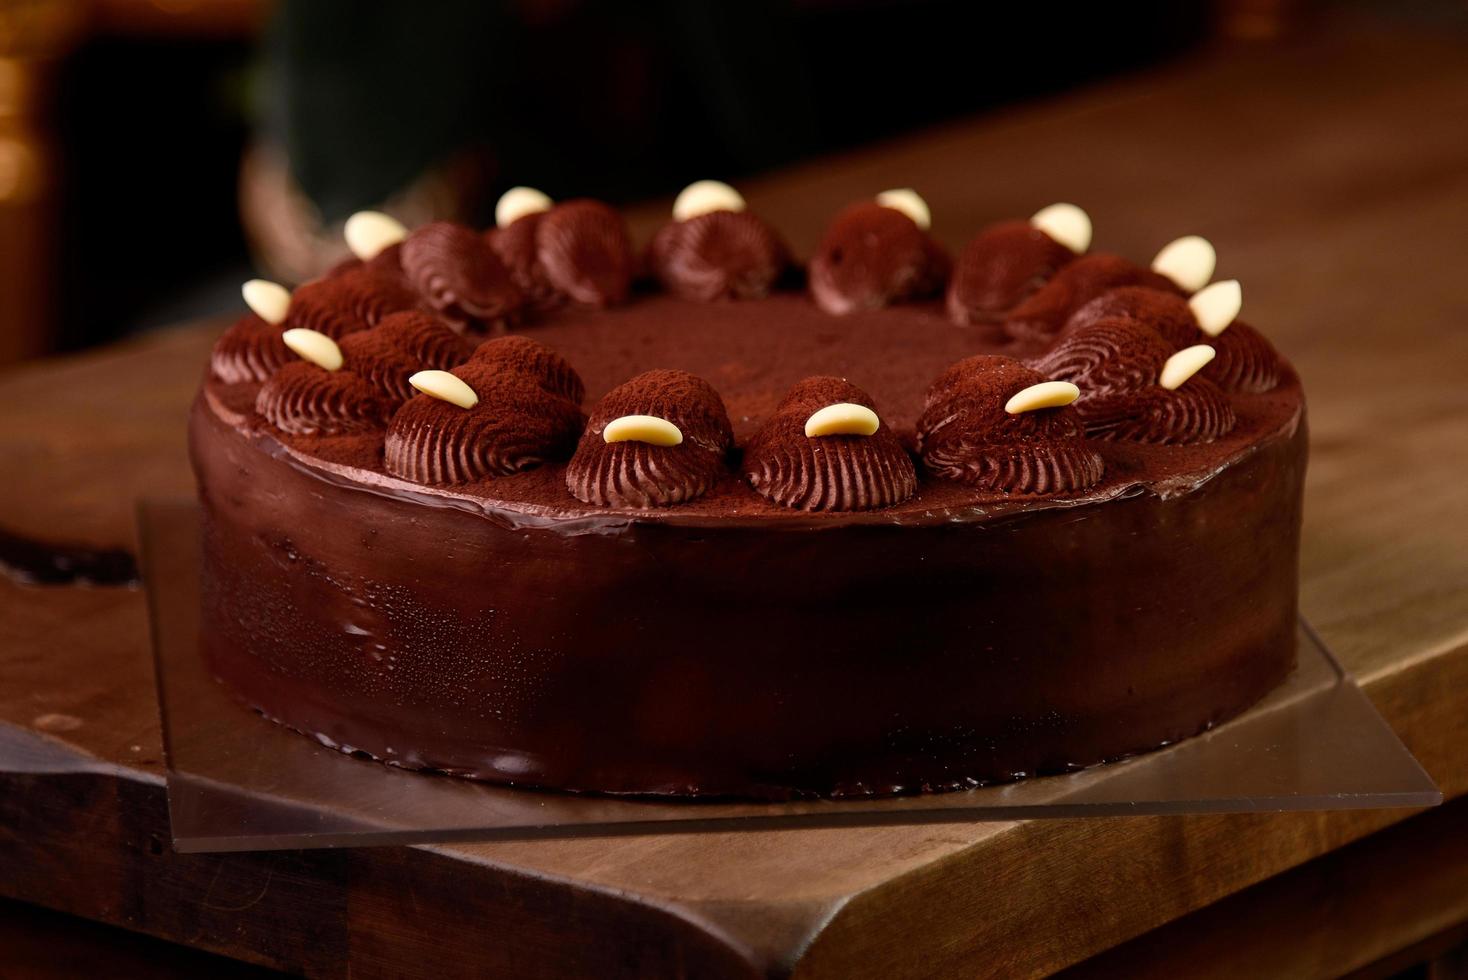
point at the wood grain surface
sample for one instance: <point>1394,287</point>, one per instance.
<point>1333,177</point>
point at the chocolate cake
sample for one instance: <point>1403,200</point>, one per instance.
<point>533,506</point>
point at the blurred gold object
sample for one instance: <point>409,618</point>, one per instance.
<point>33,35</point>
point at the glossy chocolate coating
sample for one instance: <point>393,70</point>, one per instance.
<point>503,629</point>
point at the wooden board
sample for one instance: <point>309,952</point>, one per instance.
<point>1333,177</point>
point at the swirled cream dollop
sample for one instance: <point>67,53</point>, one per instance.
<point>967,433</point>
<point>1245,360</point>
<point>1043,315</point>
<point>835,472</point>
<point>1117,364</point>
<point>872,256</point>
<point>344,302</point>
<point>459,275</point>
<point>1000,268</point>
<point>639,473</point>
<point>303,399</point>
<point>524,417</point>
<point>718,255</point>
<point>577,252</point>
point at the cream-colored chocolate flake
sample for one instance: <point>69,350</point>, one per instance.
<point>315,347</point>
<point>1217,305</point>
<point>1188,261</point>
<point>1067,224</point>
<point>706,197</point>
<point>445,387</point>
<point>517,202</point>
<point>270,301</point>
<point>1046,394</point>
<point>842,419</point>
<point>642,428</point>
<point>369,232</point>
<point>910,203</point>
<point>1183,365</point>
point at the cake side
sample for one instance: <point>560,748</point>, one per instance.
<point>745,660</point>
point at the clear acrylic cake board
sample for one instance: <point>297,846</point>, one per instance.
<point>238,782</point>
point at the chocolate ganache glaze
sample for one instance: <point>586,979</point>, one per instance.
<point>731,579</point>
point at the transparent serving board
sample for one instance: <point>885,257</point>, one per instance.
<point>238,782</point>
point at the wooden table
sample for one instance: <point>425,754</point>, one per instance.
<point>1332,175</point>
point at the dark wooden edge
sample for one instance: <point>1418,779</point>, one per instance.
<point>95,845</point>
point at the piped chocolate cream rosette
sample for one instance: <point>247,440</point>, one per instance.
<point>314,396</point>
<point>825,448</point>
<point>661,438</point>
<point>993,423</point>
<point>577,251</point>
<point>1134,386</point>
<point>460,277</point>
<point>1245,360</point>
<point>400,346</point>
<point>875,253</point>
<point>714,248</point>
<point>1044,314</point>
<point>1007,262</point>
<point>503,411</point>
<point>354,385</point>
<point>252,349</point>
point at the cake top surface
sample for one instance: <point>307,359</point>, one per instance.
<point>392,372</point>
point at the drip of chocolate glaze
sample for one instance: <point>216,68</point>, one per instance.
<point>1000,268</point>
<point>872,256</point>
<point>840,472</point>
<point>1044,314</point>
<point>1116,363</point>
<point>719,255</point>
<point>965,434</point>
<point>635,474</point>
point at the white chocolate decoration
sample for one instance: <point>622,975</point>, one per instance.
<point>445,387</point>
<point>705,197</point>
<point>1046,394</point>
<point>369,232</point>
<point>842,419</point>
<point>270,301</point>
<point>1067,224</point>
<point>642,428</point>
<point>1188,261</point>
<point>315,347</point>
<point>1217,305</point>
<point>906,200</point>
<point>517,202</point>
<point>1183,365</point>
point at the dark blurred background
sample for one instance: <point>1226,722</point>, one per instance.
<point>153,153</point>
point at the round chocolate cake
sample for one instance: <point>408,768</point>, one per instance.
<point>533,506</point>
